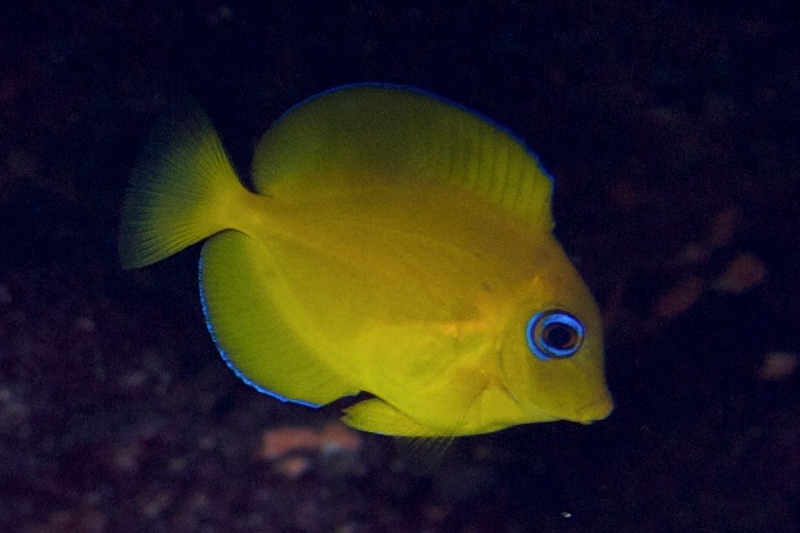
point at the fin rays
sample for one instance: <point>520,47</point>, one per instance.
<point>178,191</point>
<point>377,135</point>
<point>250,329</point>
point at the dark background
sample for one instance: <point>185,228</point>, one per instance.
<point>672,131</point>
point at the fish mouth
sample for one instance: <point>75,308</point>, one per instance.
<point>595,410</point>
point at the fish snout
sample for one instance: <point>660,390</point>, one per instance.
<point>595,410</point>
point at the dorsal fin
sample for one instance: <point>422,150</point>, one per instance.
<point>364,136</point>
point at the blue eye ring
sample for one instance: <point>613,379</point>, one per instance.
<point>554,334</point>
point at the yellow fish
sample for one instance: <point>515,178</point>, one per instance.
<point>393,244</point>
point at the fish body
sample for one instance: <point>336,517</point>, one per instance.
<point>393,244</point>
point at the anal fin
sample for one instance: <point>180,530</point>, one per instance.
<point>239,287</point>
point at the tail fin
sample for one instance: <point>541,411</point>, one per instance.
<point>179,191</point>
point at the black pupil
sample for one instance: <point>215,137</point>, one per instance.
<point>559,336</point>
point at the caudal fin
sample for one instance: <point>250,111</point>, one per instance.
<point>179,193</point>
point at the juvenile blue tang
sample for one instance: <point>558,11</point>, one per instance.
<point>392,243</point>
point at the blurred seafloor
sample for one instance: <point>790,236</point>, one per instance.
<point>672,131</point>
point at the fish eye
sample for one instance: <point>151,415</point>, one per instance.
<point>554,334</point>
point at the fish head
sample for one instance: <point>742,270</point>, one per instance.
<point>550,354</point>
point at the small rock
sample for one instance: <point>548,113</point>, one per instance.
<point>777,366</point>
<point>680,297</point>
<point>723,227</point>
<point>277,443</point>
<point>742,273</point>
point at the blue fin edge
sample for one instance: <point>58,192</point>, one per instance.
<point>227,359</point>
<point>429,94</point>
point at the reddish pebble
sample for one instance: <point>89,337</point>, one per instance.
<point>680,297</point>
<point>742,273</point>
